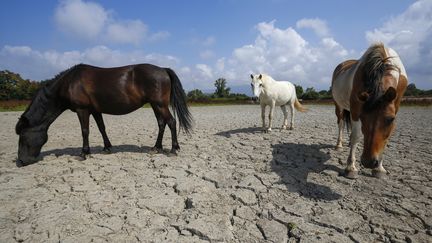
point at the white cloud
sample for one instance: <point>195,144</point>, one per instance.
<point>204,71</point>
<point>286,55</point>
<point>127,32</point>
<point>38,65</point>
<point>92,22</point>
<point>410,34</point>
<point>317,25</point>
<point>82,19</point>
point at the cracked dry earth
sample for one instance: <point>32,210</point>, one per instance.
<point>229,183</point>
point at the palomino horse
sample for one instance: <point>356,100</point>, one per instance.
<point>367,92</point>
<point>275,93</point>
<point>89,90</point>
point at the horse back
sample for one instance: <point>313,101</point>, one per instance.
<point>342,82</point>
<point>118,90</point>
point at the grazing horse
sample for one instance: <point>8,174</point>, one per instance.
<point>367,94</point>
<point>275,93</point>
<point>89,90</point>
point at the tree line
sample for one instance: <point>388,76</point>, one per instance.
<point>14,87</point>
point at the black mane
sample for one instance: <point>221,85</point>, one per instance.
<point>40,101</point>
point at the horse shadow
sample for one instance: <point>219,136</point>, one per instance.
<point>294,162</point>
<point>251,130</point>
<point>75,151</point>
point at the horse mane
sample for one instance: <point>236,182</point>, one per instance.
<point>375,65</point>
<point>40,102</point>
<point>266,77</point>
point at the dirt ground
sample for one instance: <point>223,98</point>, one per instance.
<point>229,183</point>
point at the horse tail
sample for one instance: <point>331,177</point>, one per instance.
<point>347,118</point>
<point>178,102</point>
<point>299,106</point>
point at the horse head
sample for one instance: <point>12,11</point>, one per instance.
<point>378,122</point>
<point>31,140</point>
<point>257,84</point>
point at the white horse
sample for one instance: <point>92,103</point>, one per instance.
<point>275,93</point>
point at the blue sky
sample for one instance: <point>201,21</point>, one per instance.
<point>299,41</point>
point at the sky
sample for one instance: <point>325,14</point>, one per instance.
<point>300,41</point>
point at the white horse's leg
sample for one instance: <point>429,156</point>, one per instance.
<point>341,127</point>
<point>272,105</point>
<point>285,113</point>
<point>351,170</point>
<point>292,116</point>
<point>263,107</point>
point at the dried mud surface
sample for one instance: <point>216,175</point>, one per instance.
<point>229,183</point>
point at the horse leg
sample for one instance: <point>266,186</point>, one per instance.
<point>340,121</point>
<point>351,171</point>
<point>173,127</point>
<point>285,113</point>
<point>263,107</point>
<point>101,125</point>
<point>379,172</point>
<point>161,124</point>
<point>271,115</point>
<point>83,116</point>
<point>292,116</point>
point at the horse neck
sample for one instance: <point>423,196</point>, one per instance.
<point>43,110</point>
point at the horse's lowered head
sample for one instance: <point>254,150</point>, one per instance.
<point>257,84</point>
<point>378,122</point>
<point>31,140</point>
<point>378,94</point>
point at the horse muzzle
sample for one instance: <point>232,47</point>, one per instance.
<point>20,162</point>
<point>370,163</point>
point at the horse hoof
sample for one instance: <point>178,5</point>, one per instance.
<point>379,174</point>
<point>338,147</point>
<point>81,157</point>
<point>351,174</point>
<point>154,151</point>
<point>106,150</point>
<point>291,128</point>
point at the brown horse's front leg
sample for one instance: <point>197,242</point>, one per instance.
<point>83,116</point>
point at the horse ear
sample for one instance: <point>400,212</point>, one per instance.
<point>390,94</point>
<point>260,77</point>
<point>251,76</point>
<point>363,96</point>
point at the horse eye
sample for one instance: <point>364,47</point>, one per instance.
<point>389,120</point>
<point>260,85</point>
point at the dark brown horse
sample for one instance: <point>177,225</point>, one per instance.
<point>89,90</point>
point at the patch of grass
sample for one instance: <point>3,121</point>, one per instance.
<point>13,105</point>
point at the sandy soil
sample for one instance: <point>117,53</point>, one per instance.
<point>229,183</point>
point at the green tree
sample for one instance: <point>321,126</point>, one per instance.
<point>299,90</point>
<point>412,90</point>
<point>195,94</point>
<point>12,86</point>
<point>310,94</point>
<point>221,88</point>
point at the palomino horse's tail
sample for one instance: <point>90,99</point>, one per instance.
<point>178,102</point>
<point>299,106</point>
